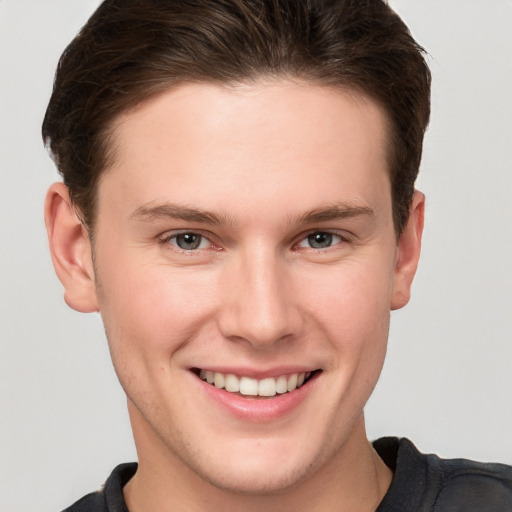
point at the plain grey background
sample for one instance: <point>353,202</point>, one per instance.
<point>447,382</point>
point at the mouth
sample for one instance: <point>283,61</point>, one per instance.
<point>251,387</point>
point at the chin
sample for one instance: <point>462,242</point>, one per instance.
<point>255,481</point>
<point>260,467</point>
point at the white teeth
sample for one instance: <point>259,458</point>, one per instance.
<point>292,382</point>
<point>232,383</point>
<point>282,384</point>
<point>248,386</point>
<point>218,380</point>
<point>269,386</point>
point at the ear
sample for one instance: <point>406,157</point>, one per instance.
<point>70,250</point>
<point>408,253</point>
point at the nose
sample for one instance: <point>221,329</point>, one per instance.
<point>259,303</point>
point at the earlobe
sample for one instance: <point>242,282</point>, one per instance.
<point>408,253</point>
<point>70,250</point>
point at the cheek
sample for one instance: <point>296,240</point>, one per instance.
<point>149,314</point>
<point>353,313</point>
<point>353,302</point>
<point>152,309</point>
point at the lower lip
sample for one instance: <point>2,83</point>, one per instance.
<point>258,409</point>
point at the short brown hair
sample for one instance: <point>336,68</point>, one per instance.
<point>130,50</point>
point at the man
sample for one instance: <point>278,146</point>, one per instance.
<point>239,204</point>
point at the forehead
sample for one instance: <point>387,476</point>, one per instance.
<point>279,110</point>
<point>224,146</point>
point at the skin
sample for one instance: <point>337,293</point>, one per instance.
<point>254,294</point>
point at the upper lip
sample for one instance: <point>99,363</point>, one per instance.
<point>256,373</point>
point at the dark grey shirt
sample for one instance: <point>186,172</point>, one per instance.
<point>421,483</point>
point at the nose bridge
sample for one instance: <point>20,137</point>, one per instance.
<point>259,307</point>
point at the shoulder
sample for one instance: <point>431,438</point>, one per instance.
<point>110,497</point>
<point>93,502</point>
<point>470,486</point>
<point>431,484</point>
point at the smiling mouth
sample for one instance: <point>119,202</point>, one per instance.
<point>248,386</point>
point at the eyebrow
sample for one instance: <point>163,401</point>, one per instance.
<point>172,211</point>
<point>167,211</point>
<point>335,212</point>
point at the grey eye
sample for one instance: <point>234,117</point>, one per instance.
<point>320,240</point>
<point>188,241</point>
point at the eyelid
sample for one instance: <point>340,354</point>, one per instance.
<point>166,237</point>
<point>169,235</point>
<point>343,235</point>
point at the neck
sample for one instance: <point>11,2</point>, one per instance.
<point>353,479</point>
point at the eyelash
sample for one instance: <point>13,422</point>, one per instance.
<point>329,233</point>
<point>166,239</point>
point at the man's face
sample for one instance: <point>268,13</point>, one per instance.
<point>246,234</point>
